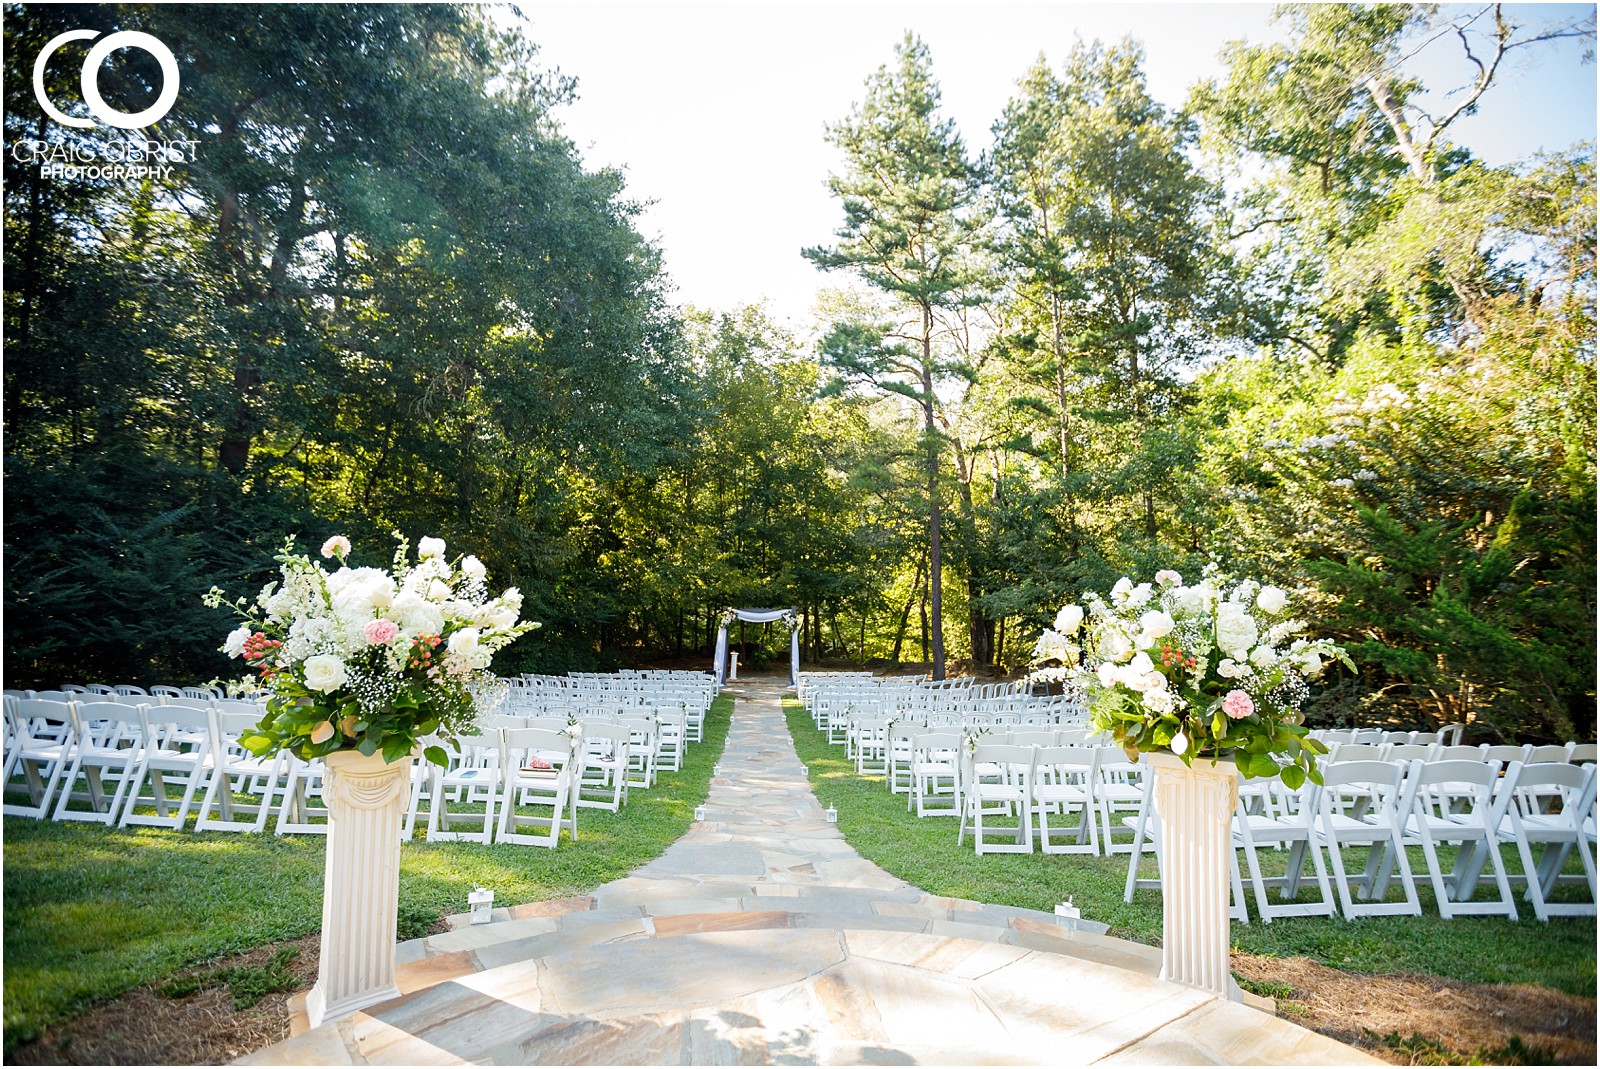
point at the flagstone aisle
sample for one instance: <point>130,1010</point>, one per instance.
<point>760,938</point>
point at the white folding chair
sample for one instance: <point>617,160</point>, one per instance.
<point>642,746</point>
<point>935,775</point>
<point>177,747</point>
<point>671,738</point>
<point>1360,805</point>
<point>1455,802</point>
<point>237,771</point>
<point>40,747</point>
<point>297,813</point>
<point>1064,782</point>
<point>1297,830</point>
<point>110,741</point>
<point>475,778</point>
<point>997,782</point>
<point>602,781</point>
<point>1558,828</point>
<point>537,773</point>
<point>1119,790</point>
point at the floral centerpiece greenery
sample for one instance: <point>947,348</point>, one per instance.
<point>371,660</point>
<point>1213,669</point>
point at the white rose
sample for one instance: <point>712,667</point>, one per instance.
<point>430,547</point>
<point>1263,656</point>
<point>1115,645</point>
<point>1153,625</point>
<point>324,672</point>
<point>465,640</point>
<point>1236,632</point>
<point>503,620</point>
<point>473,568</point>
<point>1069,619</point>
<point>1310,663</point>
<point>1228,668</point>
<point>1119,592</point>
<point>438,590</point>
<point>1189,600</point>
<point>1272,600</point>
<point>234,646</point>
<point>1107,674</point>
<point>1139,596</point>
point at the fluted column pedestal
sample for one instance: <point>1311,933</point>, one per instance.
<point>366,800</point>
<point>1196,810</point>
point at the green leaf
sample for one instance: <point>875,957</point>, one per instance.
<point>1293,776</point>
<point>437,756</point>
<point>368,747</point>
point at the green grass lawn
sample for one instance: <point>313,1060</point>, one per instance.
<point>1559,954</point>
<point>91,912</point>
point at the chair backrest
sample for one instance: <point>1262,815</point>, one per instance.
<point>128,688</point>
<point>1031,736</point>
<point>1539,755</point>
<point>1059,762</point>
<point>161,690</point>
<point>1383,775</point>
<point>106,723</point>
<point>1458,753</point>
<point>1581,753</point>
<point>1505,754</point>
<point>1469,778</point>
<point>1425,738</point>
<point>517,743</point>
<point>55,695</point>
<point>167,725</point>
<point>1356,751</point>
<point>1410,752</point>
<point>1573,784</point>
<point>39,718</point>
<point>1370,737</point>
<point>1397,738</point>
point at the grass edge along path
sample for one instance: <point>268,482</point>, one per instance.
<point>92,912</point>
<point>922,851</point>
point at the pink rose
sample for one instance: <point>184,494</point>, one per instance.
<point>380,631</point>
<point>1238,705</point>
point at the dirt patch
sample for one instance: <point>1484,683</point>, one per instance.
<point>145,1027</point>
<point>1456,1021</point>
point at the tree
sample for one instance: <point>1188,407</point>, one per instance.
<point>908,194</point>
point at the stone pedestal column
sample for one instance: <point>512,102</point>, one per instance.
<point>1196,810</point>
<point>366,800</point>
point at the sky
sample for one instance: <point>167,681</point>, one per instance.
<point>717,113</point>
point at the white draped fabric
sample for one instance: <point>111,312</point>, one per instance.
<point>758,616</point>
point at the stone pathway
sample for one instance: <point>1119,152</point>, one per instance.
<point>762,938</point>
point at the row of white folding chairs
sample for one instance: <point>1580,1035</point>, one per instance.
<point>693,714</point>
<point>127,756</point>
<point>1449,735</point>
<point>1571,752</point>
<point>1544,810</point>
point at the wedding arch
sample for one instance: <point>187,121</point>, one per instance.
<point>791,617</point>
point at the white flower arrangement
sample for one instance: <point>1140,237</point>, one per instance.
<point>1210,669</point>
<point>372,660</point>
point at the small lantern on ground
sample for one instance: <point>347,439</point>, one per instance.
<point>1069,915</point>
<point>481,900</point>
<point>699,812</point>
<point>832,814</point>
